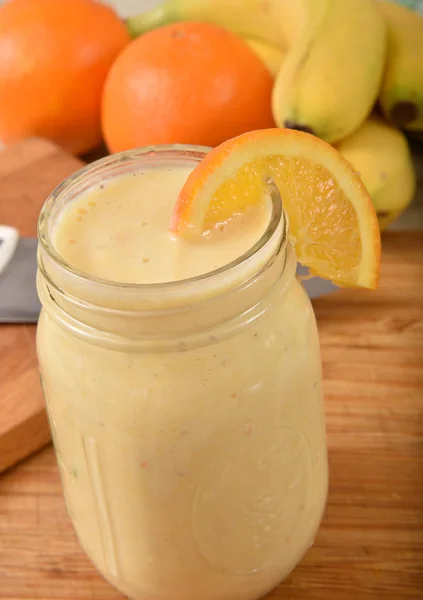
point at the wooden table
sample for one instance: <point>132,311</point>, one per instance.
<point>370,544</point>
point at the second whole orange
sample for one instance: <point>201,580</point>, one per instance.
<point>188,83</point>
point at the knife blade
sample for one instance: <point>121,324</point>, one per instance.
<point>19,301</point>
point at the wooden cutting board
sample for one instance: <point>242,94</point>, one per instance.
<point>370,544</point>
<point>29,171</point>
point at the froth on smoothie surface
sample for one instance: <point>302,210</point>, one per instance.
<point>118,231</point>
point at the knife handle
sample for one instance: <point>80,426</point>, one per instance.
<point>9,237</point>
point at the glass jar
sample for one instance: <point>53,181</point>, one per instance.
<point>187,417</point>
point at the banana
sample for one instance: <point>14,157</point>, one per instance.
<point>401,96</point>
<point>270,55</point>
<point>380,153</point>
<point>331,74</point>
<point>250,18</point>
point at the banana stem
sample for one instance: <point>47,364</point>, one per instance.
<point>156,17</point>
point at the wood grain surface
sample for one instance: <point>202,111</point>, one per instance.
<point>370,544</point>
<point>29,171</point>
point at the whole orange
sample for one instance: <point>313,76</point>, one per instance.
<point>191,83</point>
<point>54,58</point>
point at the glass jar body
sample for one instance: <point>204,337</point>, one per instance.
<point>198,473</point>
<point>187,418</point>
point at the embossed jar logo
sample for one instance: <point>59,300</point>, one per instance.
<point>252,499</point>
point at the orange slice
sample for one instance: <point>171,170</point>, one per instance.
<point>332,220</point>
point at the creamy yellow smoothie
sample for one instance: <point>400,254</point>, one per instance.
<point>184,395</point>
<point>120,231</point>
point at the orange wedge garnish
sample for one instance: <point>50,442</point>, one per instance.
<point>331,217</point>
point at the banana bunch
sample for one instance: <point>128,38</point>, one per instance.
<point>332,61</point>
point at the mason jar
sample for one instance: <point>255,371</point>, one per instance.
<point>187,417</point>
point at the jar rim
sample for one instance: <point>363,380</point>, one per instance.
<point>164,151</point>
